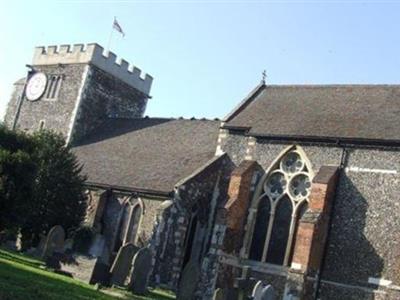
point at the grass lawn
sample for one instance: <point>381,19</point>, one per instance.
<point>22,278</point>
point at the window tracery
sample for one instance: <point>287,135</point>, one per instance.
<point>280,200</point>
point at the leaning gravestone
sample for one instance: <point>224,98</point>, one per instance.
<point>54,241</point>
<point>122,263</point>
<point>189,279</point>
<point>219,294</point>
<point>140,271</point>
<point>263,292</point>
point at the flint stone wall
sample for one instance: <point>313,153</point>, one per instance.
<point>364,237</point>
<point>56,113</point>
<point>104,96</point>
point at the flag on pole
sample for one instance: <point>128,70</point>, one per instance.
<point>118,27</point>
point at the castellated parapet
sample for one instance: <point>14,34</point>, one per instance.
<point>94,54</point>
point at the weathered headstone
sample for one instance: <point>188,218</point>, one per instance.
<point>122,264</point>
<point>140,271</point>
<point>219,294</point>
<point>257,289</point>
<point>18,242</point>
<point>54,241</point>
<point>268,293</point>
<point>189,279</point>
<point>263,292</point>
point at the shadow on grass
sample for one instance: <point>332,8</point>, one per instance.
<point>21,282</point>
<point>22,279</point>
<point>20,258</point>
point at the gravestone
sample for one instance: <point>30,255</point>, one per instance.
<point>18,242</point>
<point>219,294</point>
<point>122,264</point>
<point>268,293</point>
<point>140,271</point>
<point>263,292</point>
<point>189,279</point>
<point>257,290</point>
<point>54,241</point>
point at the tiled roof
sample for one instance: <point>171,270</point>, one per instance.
<point>359,112</point>
<point>147,154</point>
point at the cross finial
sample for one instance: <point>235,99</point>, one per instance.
<point>264,76</point>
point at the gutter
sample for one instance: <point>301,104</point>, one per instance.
<point>315,139</point>
<point>138,191</point>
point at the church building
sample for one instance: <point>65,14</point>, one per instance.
<point>298,187</point>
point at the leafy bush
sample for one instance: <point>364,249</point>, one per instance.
<point>40,183</point>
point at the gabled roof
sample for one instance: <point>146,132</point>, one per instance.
<point>348,112</point>
<point>149,154</point>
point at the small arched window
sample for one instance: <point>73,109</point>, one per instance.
<point>280,201</point>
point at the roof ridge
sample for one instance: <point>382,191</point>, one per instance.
<point>136,118</point>
<point>245,102</point>
<point>340,111</point>
<point>163,118</point>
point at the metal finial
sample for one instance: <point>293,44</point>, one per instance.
<point>264,76</point>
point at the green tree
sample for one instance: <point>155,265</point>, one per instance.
<point>58,193</point>
<point>17,174</point>
<point>41,184</point>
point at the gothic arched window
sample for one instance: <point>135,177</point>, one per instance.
<point>129,222</point>
<point>132,231</point>
<point>280,201</point>
<point>260,230</point>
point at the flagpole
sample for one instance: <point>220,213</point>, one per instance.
<point>110,37</point>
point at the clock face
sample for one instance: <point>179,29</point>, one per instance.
<point>36,86</point>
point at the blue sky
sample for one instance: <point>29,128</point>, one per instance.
<point>205,56</point>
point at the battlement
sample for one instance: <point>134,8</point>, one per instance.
<point>94,54</point>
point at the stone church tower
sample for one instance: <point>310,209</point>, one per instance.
<point>74,89</point>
